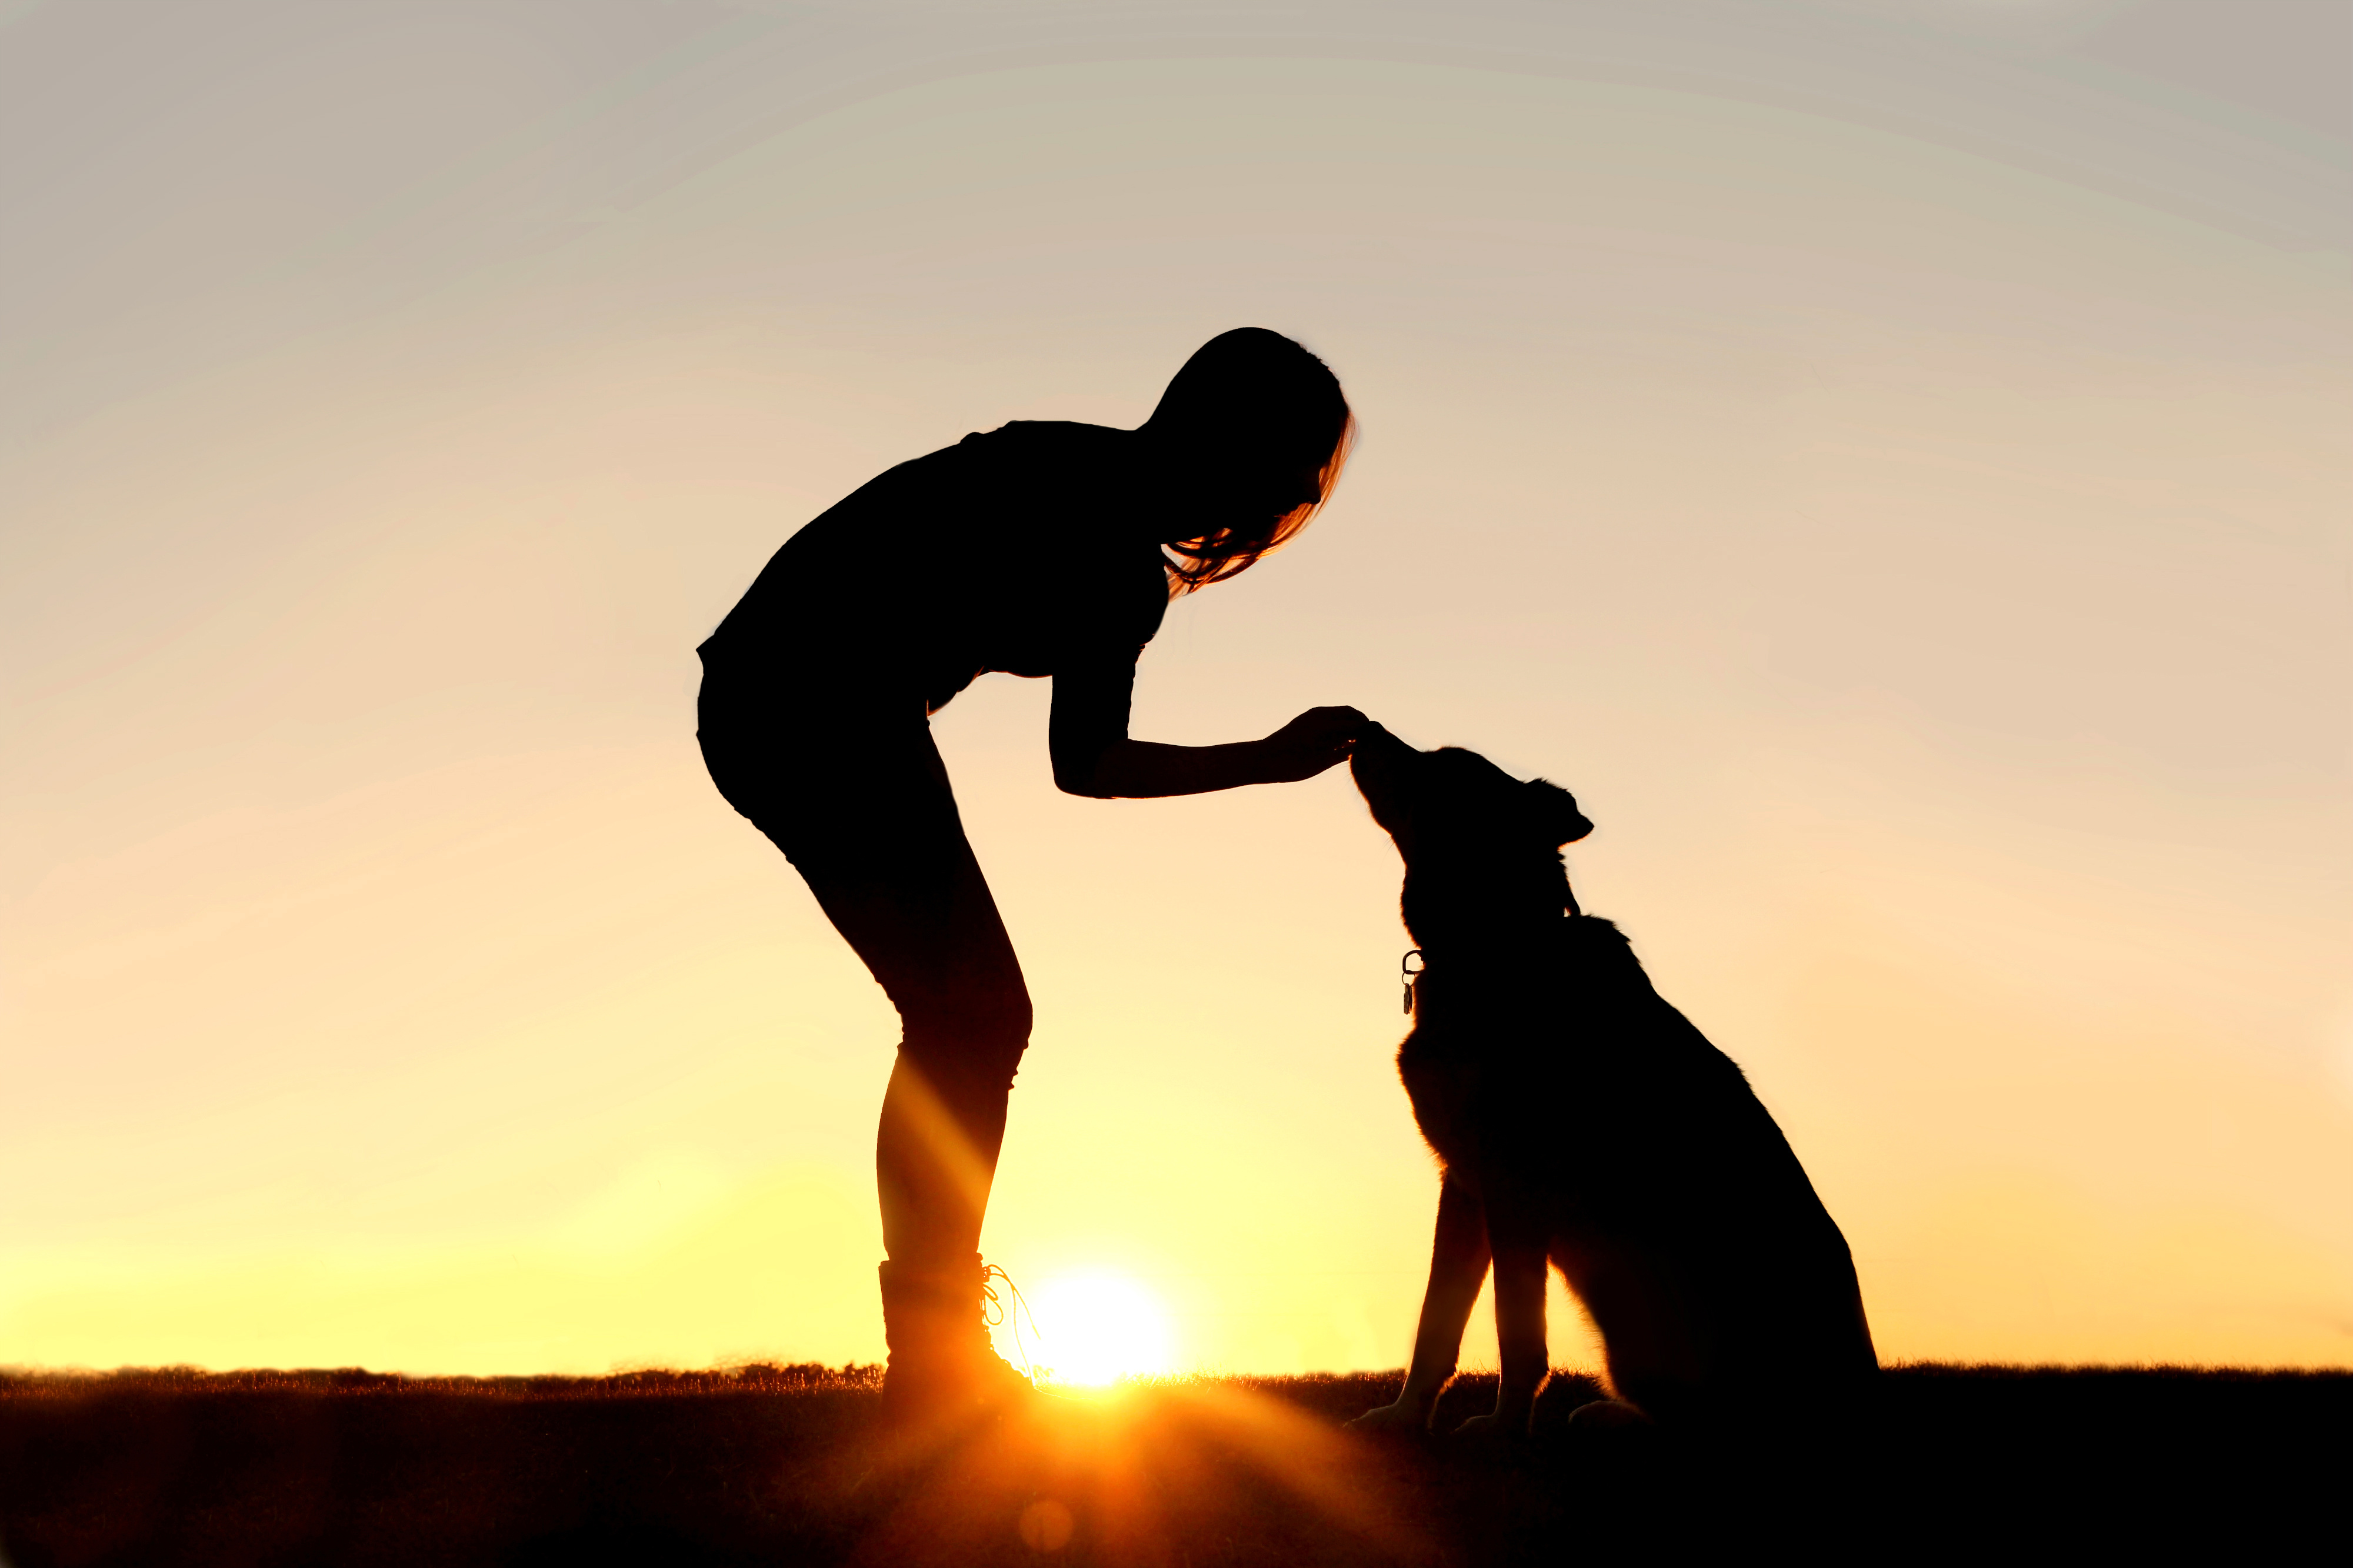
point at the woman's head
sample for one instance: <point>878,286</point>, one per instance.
<point>1251,433</point>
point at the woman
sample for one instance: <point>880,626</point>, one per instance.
<point>1038,550</point>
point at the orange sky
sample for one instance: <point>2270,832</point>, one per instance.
<point>1907,509</point>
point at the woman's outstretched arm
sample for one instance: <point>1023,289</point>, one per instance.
<point>1093,755</point>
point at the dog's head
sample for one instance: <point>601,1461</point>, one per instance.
<point>1455,805</point>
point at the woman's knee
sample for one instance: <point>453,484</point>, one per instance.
<point>976,1045</point>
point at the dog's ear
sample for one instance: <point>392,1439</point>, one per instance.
<point>1556,809</point>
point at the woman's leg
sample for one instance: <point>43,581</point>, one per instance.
<point>932,937</point>
<point>867,815</point>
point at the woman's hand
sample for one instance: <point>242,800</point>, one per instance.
<point>1094,756</point>
<point>1317,739</point>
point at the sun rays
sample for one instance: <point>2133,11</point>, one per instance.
<point>1136,1478</point>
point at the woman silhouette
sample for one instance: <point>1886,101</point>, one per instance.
<point>1038,549</point>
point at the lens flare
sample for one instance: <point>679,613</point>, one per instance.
<point>1096,1328</point>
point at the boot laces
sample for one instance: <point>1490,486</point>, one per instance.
<point>998,1310</point>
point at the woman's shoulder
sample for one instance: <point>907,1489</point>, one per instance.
<point>1054,432</point>
<point>1061,446</point>
<point>1051,441</point>
<point>1059,480</point>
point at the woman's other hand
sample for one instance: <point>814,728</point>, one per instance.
<point>1317,739</point>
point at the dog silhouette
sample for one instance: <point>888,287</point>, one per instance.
<point>1578,1118</point>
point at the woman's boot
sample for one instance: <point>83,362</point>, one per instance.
<point>934,1319</point>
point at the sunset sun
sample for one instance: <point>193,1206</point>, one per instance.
<point>1097,1327</point>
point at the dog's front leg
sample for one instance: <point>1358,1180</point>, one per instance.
<point>1516,1230</point>
<point>1458,1267</point>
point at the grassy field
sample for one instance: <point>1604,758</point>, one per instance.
<point>789,1465</point>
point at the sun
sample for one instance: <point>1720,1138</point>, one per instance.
<point>1096,1328</point>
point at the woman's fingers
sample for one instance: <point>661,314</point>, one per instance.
<point>1318,739</point>
<point>1333,721</point>
<point>1344,726</point>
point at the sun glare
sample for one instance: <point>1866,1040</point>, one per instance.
<point>1095,1329</point>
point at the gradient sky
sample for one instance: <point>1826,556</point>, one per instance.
<point>1888,457</point>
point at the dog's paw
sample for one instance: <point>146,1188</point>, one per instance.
<point>1608,1416</point>
<point>1492,1432</point>
<point>1400,1419</point>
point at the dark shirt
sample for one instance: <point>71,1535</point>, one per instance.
<point>1004,551</point>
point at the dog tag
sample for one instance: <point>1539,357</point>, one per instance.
<point>1406,969</point>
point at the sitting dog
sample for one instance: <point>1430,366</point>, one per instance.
<point>1579,1118</point>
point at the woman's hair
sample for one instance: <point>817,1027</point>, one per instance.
<point>1247,412</point>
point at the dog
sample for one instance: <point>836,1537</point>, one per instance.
<point>1578,1118</point>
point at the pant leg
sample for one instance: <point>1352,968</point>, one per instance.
<point>867,815</point>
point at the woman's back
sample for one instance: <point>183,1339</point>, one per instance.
<point>1007,550</point>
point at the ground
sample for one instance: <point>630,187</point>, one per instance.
<point>791,1465</point>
